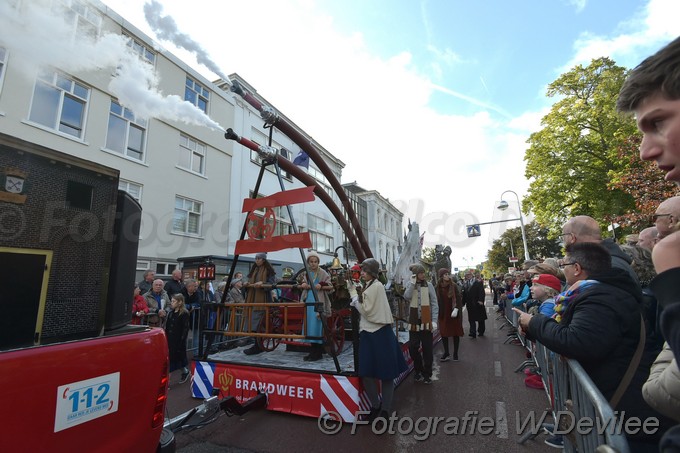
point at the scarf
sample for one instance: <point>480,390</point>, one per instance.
<point>563,299</point>
<point>420,316</point>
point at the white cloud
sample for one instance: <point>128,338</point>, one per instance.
<point>655,25</point>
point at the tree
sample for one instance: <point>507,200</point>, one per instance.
<point>538,241</point>
<point>645,183</point>
<point>571,160</point>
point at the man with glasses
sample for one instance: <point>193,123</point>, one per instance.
<point>600,327</point>
<point>666,216</point>
<point>583,228</point>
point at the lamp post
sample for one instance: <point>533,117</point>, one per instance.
<point>503,205</point>
<point>512,250</point>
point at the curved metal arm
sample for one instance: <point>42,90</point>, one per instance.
<point>521,223</point>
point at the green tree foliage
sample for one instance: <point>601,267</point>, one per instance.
<point>571,160</point>
<point>539,243</point>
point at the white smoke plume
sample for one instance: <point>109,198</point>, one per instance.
<point>43,40</point>
<point>165,28</point>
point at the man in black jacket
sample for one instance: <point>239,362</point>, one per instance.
<point>599,327</point>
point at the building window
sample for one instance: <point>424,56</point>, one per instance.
<point>321,232</point>
<point>79,195</point>
<point>192,155</point>
<point>322,180</point>
<point>140,49</point>
<point>197,94</point>
<point>84,18</point>
<point>3,64</point>
<point>134,189</point>
<point>165,269</point>
<point>143,265</point>
<point>261,139</point>
<point>126,133</point>
<point>187,216</point>
<point>59,103</point>
<point>283,224</point>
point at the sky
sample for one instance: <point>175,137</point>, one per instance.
<point>428,102</point>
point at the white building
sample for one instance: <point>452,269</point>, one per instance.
<point>189,179</point>
<point>384,234</point>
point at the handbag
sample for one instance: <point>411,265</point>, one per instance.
<point>454,312</point>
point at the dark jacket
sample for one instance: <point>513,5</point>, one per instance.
<point>601,329</point>
<point>471,295</point>
<point>176,330</point>
<point>173,287</point>
<point>620,259</point>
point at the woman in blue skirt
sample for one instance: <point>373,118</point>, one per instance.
<point>380,356</point>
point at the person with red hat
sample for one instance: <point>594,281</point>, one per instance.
<point>544,289</point>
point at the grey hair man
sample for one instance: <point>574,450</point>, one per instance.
<point>582,228</point>
<point>648,238</point>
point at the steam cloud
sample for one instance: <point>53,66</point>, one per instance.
<point>166,28</point>
<point>43,38</point>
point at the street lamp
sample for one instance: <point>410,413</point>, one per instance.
<point>512,250</point>
<point>503,205</point>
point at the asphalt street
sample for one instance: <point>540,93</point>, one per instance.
<point>480,401</point>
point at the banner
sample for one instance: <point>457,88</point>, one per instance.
<point>297,392</point>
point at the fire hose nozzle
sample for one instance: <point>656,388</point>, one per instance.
<point>237,88</point>
<point>231,135</point>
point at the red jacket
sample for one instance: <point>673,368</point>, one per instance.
<point>138,304</point>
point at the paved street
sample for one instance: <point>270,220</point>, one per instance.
<point>482,385</point>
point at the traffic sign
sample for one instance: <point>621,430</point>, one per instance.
<point>473,230</point>
<point>513,259</point>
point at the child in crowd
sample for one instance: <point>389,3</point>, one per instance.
<point>544,289</point>
<point>177,330</point>
<point>139,306</point>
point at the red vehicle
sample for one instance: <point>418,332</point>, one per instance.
<point>75,376</point>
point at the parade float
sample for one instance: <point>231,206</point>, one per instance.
<point>310,388</point>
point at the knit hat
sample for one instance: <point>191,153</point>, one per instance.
<point>261,255</point>
<point>443,271</point>
<point>550,281</point>
<point>417,268</point>
<point>312,253</point>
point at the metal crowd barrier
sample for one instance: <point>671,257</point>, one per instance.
<point>573,397</point>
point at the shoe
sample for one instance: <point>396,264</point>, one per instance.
<point>418,377</point>
<point>548,428</point>
<point>534,382</point>
<point>455,358</point>
<point>427,380</point>
<point>375,411</point>
<point>313,356</point>
<point>472,335</point>
<point>555,441</point>
<point>445,358</point>
<point>184,378</point>
<point>254,349</point>
<point>481,334</point>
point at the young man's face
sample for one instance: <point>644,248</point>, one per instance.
<point>659,120</point>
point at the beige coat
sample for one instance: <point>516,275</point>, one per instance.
<point>374,308</point>
<point>662,389</point>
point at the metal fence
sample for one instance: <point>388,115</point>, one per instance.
<point>572,394</point>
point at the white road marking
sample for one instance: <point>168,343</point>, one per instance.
<point>501,420</point>
<point>497,368</point>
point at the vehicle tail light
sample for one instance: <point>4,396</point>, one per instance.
<point>159,409</point>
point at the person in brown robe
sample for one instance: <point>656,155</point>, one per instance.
<point>449,297</point>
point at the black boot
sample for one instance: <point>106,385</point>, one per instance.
<point>254,349</point>
<point>315,354</point>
